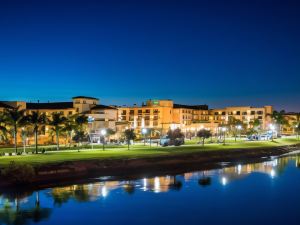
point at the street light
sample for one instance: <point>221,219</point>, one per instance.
<point>144,132</point>
<point>103,133</point>
<point>239,127</point>
<point>224,132</point>
<point>24,140</point>
<point>272,128</point>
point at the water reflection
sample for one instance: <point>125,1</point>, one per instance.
<point>13,212</point>
<point>26,207</point>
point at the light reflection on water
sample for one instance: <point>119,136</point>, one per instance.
<point>190,191</point>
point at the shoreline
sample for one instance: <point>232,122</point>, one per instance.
<point>86,170</point>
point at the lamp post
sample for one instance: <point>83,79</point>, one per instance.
<point>103,133</point>
<point>224,132</point>
<point>272,128</point>
<point>239,127</point>
<point>24,140</point>
<point>144,132</point>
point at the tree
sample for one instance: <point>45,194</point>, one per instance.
<point>56,121</point>
<point>110,132</point>
<point>174,134</point>
<point>296,125</point>
<point>297,130</point>
<point>203,134</point>
<point>3,129</point>
<point>279,119</point>
<point>80,121</point>
<point>37,119</point>
<point>234,125</point>
<point>68,127</point>
<point>15,118</point>
<point>129,135</point>
<point>255,125</point>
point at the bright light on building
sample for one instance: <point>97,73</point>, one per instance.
<point>224,129</point>
<point>103,132</point>
<point>144,131</point>
<point>239,127</point>
<point>272,127</point>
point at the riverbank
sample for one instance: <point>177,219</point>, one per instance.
<point>133,164</point>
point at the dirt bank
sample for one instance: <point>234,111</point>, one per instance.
<point>74,171</point>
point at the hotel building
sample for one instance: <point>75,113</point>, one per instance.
<point>159,115</point>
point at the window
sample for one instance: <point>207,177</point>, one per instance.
<point>70,112</point>
<point>259,112</point>
<point>252,112</point>
<point>84,102</point>
<point>238,112</point>
<point>140,111</point>
<point>223,113</point>
<point>124,112</point>
<point>147,111</point>
<point>244,113</point>
<point>260,117</point>
<point>131,112</point>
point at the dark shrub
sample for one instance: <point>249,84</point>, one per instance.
<point>18,173</point>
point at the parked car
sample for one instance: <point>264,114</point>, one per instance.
<point>166,141</point>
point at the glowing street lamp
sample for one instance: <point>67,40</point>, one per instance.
<point>144,132</point>
<point>224,132</point>
<point>239,128</point>
<point>272,128</point>
<point>103,133</point>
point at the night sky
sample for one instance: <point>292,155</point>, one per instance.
<point>220,53</point>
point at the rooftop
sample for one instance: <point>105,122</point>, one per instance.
<point>3,105</point>
<point>51,105</point>
<point>103,107</point>
<point>85,97</point>
<point>195,107</point>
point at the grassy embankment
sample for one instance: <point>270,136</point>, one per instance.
<point>137,151</point>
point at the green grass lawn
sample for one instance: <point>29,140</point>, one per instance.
<point>137,151</point>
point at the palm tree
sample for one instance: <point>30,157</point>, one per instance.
<point>68,127</point>
<point>80,121</point>
<point>297,130</point>
<point>296,125</point>
<point>37,119</point>
<point>3,130</point>
<point>15,118</point>
<point>129,135</point>
<point>56,121</point>
<point>279,119</point>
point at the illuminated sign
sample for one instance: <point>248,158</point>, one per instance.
<point>155,102</point>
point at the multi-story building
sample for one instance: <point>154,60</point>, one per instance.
<point>292,121</point>
<point>159,115</point>
<point>156,114</point>
<point>164,115</point>
<point>246,114</point>
<point>100,116</point>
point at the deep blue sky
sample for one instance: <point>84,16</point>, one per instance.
<point>214,52</point>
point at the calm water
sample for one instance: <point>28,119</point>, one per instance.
<point>261,193</point>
